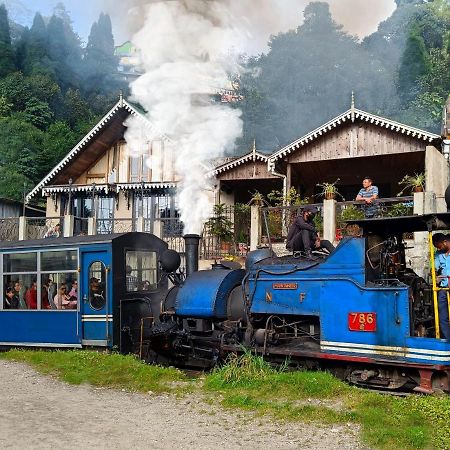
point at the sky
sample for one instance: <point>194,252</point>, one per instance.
<point>359,17</point>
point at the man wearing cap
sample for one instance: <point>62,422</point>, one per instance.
<point>303,235</point>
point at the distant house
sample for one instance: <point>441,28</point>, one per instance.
<point>129,61</point>
<point>13,209</point>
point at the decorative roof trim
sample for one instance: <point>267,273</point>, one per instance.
<point>106,187</point>
<point>137,186</point>
<point>252,156</point>
<point>121,104</point>
<point>352,114</point>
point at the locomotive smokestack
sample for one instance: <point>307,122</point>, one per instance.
<point>191,243</point>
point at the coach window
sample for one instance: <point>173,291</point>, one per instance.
<point>97,283</point>
<point>59,279</point>
<point>142,269</point>
<point>20,275</point>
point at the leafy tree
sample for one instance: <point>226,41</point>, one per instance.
<point>16,90</point>
<point>5,107</point>
<point>7,64</point>
<point>38,113</point>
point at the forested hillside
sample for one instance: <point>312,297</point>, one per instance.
<point>402,71</point>
<point>53,88</point>
<point>52,91</point>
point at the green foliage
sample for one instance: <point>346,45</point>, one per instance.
<point>414,64</point>
<point>351,212</point>
<point>220,225</point>
<point>292,198</point>
<point>399,210</point>
<point>7,64</point>
<point>45,107</point>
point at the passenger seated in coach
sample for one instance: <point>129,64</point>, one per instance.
<point>62,299</point>
<point>11,299</point>
<point>20,292</point>
<point>31,296</point>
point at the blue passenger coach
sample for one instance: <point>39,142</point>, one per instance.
<point>79,291</point>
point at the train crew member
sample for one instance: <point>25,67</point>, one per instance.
<point>11,299</point>
<point>132,281</point>
<point>368,194</point>
<point>303,235</point>
<point>31,296</point>
<point>442,266</point>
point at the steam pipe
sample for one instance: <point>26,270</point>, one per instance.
<point>191,242</point>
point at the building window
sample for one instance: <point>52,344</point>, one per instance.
<point>159,207</point>
<point>105,215</point>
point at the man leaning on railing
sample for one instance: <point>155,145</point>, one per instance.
<point>368,194</point>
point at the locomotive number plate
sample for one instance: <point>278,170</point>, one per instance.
<point>362,321</point>
<point>284,285</point>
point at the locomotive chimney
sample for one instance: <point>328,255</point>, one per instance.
<point>191,242</point>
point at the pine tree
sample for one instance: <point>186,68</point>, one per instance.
<point>7,64</point>
<point>413,65</point>
<point>99,61</point>
<point>34,57</point>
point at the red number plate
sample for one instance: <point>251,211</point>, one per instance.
<point>362,321</point>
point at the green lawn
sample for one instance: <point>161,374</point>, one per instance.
<point>248,382</point>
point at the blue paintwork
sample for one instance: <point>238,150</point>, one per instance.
<point>61,327</point>
<point>57,327</point>
<point>331,291</point>
<point>96,330</point>
<point>205,292</point>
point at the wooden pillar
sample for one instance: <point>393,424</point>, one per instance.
<point>288,177</point>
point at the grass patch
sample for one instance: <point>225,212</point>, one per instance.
<point>101,369</point>
<point>250,383</point>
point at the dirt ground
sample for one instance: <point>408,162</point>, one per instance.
<point>40,412</point>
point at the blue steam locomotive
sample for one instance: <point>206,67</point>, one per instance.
<point>359,312</point>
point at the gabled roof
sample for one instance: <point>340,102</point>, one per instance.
<point>254,155</point>
<point>351,115</point>
<point>121,105</point>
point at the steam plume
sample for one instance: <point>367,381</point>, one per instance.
<point>185,52</point>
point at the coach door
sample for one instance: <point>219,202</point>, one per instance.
<point>96,311</point>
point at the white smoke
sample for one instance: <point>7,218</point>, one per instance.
<point>186,49</point>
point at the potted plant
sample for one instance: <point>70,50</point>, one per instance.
<point>257,199</point>
<point>414,182</point>
<point>329,190</point>
<point>221,226</point>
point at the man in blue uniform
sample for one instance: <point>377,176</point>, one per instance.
<point>368,194</point>
<point>442,266</point>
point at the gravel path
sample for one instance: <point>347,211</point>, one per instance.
<point>40,412</point>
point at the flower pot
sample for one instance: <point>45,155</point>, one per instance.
<point>225,246</point>
<point>330,195</point>
<point>418,189</point>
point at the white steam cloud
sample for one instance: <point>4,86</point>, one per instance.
<point>185,49</point>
